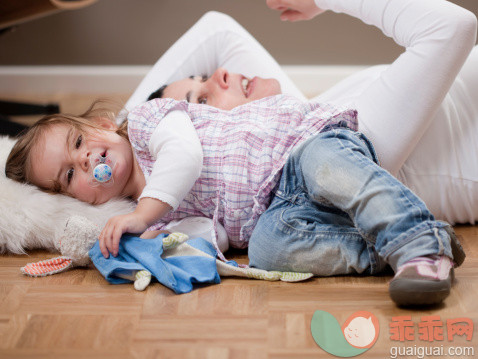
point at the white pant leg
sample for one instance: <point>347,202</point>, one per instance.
<point>443,167</point>
<point>216,40</point>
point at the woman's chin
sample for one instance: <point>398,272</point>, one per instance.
<point>273,87</point>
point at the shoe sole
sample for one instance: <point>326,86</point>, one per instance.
<point>457,251</point>
<point>417,292</point>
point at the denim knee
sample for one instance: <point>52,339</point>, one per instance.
<point>333,163</point>
<point>329,146</point>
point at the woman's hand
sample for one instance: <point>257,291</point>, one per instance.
<point>295,10</point>
<point>115,227</point>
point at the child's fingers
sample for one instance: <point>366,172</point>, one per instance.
<point>102,243</point>
<point>115,240</point>
<point>111,235</point>
<point>111,240</point>
<point>105,239</point>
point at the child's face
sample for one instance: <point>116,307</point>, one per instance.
<point>223,90</point>
<point>62,156</point>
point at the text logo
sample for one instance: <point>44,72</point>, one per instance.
<point>357,335</point>
<point>430,328</point>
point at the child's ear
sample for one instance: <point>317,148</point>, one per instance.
<point>106,123</point>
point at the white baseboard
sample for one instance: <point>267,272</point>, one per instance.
<point>70,79</point>
<point>124,79</point>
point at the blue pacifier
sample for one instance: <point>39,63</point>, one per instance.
<point>101,170</point>
<point>102,173</point>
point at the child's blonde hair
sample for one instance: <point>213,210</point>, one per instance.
<point>18,166</point>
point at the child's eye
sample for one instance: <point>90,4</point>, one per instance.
<point>202,100</point>
<point>69,175</point>
<point>78,141</point>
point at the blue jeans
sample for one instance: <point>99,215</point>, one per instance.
<point>336,211</point>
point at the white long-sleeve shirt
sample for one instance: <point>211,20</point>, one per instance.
<point>177,149</point>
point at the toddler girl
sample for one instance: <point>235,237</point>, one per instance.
<point>293,180</point>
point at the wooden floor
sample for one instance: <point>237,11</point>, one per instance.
<point>78,315</point>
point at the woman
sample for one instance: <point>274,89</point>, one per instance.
<point>418,111</point>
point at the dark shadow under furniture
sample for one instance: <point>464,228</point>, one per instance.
<point>11,108</point>
<point>13,13</point>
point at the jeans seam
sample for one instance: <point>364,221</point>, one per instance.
<point>374,259</point>
<point>441,247</point>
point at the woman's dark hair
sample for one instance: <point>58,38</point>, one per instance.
<point>158,93</point>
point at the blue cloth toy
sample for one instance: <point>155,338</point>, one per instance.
<point>178,273</point>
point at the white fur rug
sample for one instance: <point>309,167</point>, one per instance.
<point>30,218</point>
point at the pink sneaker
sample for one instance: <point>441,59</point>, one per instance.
<point>422,281</point>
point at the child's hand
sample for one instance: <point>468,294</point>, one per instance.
<point>147,212</point>
<point>110,235</point>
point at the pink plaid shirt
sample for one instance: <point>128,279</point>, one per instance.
<point>244,152</point>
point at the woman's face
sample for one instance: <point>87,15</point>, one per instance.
<point>61,158</point>
<point>223,90</point>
